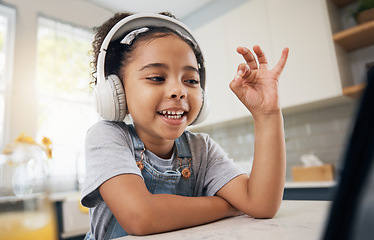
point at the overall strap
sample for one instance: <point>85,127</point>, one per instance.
<point>183,149</point>
<point>138,144</point>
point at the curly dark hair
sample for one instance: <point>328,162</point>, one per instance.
<point>118,55</point>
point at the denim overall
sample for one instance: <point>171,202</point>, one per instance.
<point>169,182</point>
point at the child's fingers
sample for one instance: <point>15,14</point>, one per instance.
<point>248,57</point>
<point>261,57</point>
<point>282,62</point>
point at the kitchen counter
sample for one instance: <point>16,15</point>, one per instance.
<point>321,184</point>
<point>295,220</point>
<point>323,190</point>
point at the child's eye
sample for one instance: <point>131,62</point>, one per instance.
<point>156,79</point>
<point>192,81</point>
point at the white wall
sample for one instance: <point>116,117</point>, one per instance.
<point>23,111</point>
<point>301,25</point>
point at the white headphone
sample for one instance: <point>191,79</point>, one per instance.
<point>109,91</point>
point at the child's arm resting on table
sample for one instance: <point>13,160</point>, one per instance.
<point>140,213</point>
<point>260,194</point>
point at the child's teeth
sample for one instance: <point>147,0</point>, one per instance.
<point>172,114</point>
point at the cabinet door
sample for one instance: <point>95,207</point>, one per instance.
<point>245,25</point>
<point>311,73</point>
<point>212,40</point>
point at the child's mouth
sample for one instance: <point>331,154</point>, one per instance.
<point>172,114</point>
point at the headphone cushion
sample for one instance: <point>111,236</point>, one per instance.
<point>118,97</point>
<point>110,99</point>
<point>204,110</point>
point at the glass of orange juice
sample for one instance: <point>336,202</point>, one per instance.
<point>25,209</point>
<point>30,217</point>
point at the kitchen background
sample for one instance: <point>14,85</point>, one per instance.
<point>317,111</point>
<point>321,131</point>
<point>44,76</point>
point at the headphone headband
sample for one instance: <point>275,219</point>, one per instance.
<point>140,20</point>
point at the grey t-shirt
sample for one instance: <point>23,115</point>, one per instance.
<point>110,152</point>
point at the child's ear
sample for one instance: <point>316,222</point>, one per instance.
<point>110,99</point>
<point>204,110</point>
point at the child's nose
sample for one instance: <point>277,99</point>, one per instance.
<point>177,91</point>
<point>177,96</point>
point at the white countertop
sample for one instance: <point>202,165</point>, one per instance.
<point>63,196</point>
<point>295,220</point>
<point>321,184</point>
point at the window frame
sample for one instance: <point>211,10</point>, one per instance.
<point>10,13</point>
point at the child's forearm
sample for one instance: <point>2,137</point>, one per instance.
<point>171,212</point>
<point>140,213</point>
<point>266,182</point>
<point>260,194</point>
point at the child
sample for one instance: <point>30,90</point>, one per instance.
<point>154,176</point>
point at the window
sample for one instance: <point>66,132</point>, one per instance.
<point>65,106</point>
<point>7,30</point>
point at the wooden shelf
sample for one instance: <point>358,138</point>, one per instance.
<point>343,3</point>
<point>357,37</point>
<point>351,39</point>
<point>354,91</point>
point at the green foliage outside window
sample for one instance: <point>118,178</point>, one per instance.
<point>63,63</point>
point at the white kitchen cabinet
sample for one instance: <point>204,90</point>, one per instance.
<point>312,71</point>
<point>73,219</point>
<point>212,40</point>
<point>245,25</point>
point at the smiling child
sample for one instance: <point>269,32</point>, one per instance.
<point>154,176</point>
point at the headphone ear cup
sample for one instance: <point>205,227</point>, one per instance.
<point>110,99</point>
<point>204,110</point>
<point>120,98</point>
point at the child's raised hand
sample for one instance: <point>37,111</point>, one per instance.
<point>255,85</point>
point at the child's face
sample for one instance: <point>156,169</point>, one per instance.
<point>162,86</point>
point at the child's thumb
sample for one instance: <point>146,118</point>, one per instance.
<point>236,83</point>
